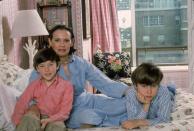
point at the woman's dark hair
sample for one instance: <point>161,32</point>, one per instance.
<point>63,27</point>
<point>44,55</point>
<point>147,73</point>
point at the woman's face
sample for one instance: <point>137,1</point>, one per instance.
<point>61,42</point>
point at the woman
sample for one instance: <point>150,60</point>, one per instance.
<point>87,107</point>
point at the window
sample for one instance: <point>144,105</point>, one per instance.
<point>155,3</point>
<point>152,20</point>
<point>157,32</point>
<point>146,38</point>
<point>161,38</point>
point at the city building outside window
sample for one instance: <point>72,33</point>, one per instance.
<point>156,28</point>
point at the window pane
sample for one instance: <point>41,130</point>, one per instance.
<point>124,17</point>
<point>160,30</point>
<point>163,57</point>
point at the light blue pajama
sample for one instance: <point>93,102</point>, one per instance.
<point>159,110</point>
<point>91,108</point>
<point>117,110</point>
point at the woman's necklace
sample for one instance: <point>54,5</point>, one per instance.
<point>64,61</point>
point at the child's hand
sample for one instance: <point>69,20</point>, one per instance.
<point>144,101</point>
<point>33,110</point>
<point>142,98</point>
<point>44,122</point>
<point>130,124</point>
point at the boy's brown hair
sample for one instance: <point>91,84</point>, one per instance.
<point>147,73</point>
<point>44,55</point>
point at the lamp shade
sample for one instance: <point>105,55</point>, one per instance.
<point>28,23</point>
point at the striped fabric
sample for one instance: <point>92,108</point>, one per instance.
<point>159,110</point>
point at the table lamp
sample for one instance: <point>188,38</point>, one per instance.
<point>28,23</point>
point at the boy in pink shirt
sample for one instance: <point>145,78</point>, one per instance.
<point>53,96</point>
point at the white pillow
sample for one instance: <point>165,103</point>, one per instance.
<point>22,80</point>
<point>7,103</point>
<point>8,72</point>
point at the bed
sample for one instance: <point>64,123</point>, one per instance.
<point>182,118</point>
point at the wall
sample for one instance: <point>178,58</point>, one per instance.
<point>83,46</point>
<point>13,47</point>
<point>191,43</point>
<point>9,7</point>
<point>87,51</point>
<point>178,76</point>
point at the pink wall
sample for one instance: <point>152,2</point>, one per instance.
<point>179,77</point>
<point>13,47</point>
<point>9,8</point>
<point>87,54</point>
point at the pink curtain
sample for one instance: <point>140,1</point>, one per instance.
<point>105,29</point>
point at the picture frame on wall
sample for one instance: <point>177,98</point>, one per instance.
<point>86,19</point>
<point>51,2</point>
<point>55,15</point>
